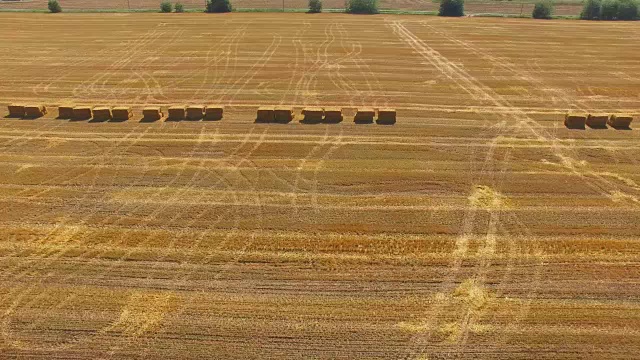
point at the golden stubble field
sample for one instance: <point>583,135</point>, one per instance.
<point>476,227</point>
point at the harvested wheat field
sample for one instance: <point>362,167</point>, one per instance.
<point>477,226</point>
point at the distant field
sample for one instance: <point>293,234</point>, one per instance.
<point>476,227</point>
<point>566,7</point>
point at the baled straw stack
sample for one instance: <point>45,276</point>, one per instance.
<point>312,114</point>
<point>597,120</point>
<point>265,114</point>
<point>620,121</point>
<point>364,116</point>
<point>101,113</point>
<point>195,112</point>
<point>82,112</point>
<point>16,110</point>
<point>121,113</point>
<point>34,111</point>
<point>213,112</point>
<point>152,113</point>
<point>65,111</point>
<point>283,114</point>
<point>386,116</point>
<point>332,115</point>
<point>575,120</point>
<point>176,112</point>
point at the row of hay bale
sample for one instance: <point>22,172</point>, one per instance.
<point>27,111</point>
<point>316,115</point>
<point>579,121</point>
<point>118,113</point>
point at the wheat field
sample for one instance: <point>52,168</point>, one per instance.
<point>478,226</point>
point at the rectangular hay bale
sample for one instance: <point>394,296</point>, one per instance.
<point>121,113</point>
<point>213,112</point>
<point>365,115</point>
<point>333,115</point>
<point>597,120</point>
<point>312,114</point>
<point>283,114</point>
<point>65,111</point>
<point>620,120</point>
<point>177,112</point>
<point>195,112</point>
<point>82,112</point>
<point>101,113</point>
<point>16,110</point>
<point>574,120</point>
<point>152,113</point>
<point>265,114</point>
<point>34,111</point>
<point>387,116</point>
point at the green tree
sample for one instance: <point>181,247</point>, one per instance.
<point>542,10</point>
<point>166,7</point>
<point>179,7</point>
<point>315,6</point>
<point>362,6</point>
<point>609,10</point>
<point>591,10</point>
<point>54,6</point>
<point>451,8</point>
<point>218,6</point>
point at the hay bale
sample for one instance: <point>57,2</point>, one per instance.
<point>101,113</point>
<point>152,113</point>
<point>386,116</point>
<point>177,112</point>
<point>65,111</point>
<point>265,114</point>
<point>312,114</point>
<point>195,112</point>
<point>283,114</point>
<point>364,116</point>
<point>597,120</point>
<point>575,121</point>
<point>620,121</point>
<point>16,110</point>
<point>82,112</point>
<point>121,113</point>
<point>34,111</point>
<point>332,115</point>
<point>213,112</point>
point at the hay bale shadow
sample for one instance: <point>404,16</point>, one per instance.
<point>95,121</point>
<point>311,121</point>
<point>217,118</point>
<point>385,122</point>
<point>173,119</point>
<point>79,119</point>
<point>12,117</point>
<point>117,120</point>
<point>598,127</point>
<point>576,127</point>
<point>148,120</point>
<point>623,128</point>
<point>363,121</point>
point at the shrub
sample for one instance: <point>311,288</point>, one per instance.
<point>590,10</point>
<point>218,6</point>
<point>166,7</point>
<point>179,7</point>
<point>609,10</point>
<point>315,6</point>
<point>542,10</point>
<point>54,6</point>
<point>451,8</point>
<point>362,6</point>
<point>627,10</point>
